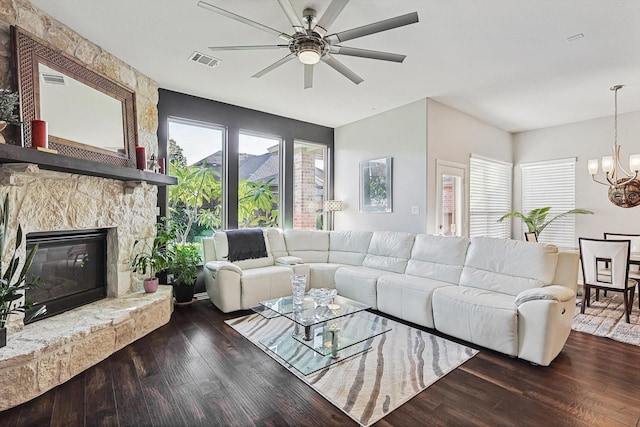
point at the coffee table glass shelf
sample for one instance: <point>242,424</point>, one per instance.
<point>322,335</point>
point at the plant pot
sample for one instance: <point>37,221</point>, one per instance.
<point>3,337</point>
<point>3,125</point>
<point>150,285</point>
<point>183,293</point>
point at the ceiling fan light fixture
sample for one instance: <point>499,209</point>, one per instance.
<point>309,54</point>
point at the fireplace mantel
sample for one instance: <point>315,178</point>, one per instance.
<point>16,154</point>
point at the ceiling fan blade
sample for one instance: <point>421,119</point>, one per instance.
<point>256,47</point>
<point>292,16</point>
<point>275,65</point>
<point>365,53</point>
<point>329,16</point>
<point>342,69</point>
<point>244,20</point>
<point>308,76</point>
<point>376,27</point>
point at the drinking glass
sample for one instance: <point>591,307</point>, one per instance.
<point>298,286</point>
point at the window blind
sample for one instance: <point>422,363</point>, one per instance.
<point>490,183</point>
<point>551,183</point>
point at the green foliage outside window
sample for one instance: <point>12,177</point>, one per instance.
<point>196,201</point>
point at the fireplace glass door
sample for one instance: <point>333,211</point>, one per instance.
<point>72,265</point>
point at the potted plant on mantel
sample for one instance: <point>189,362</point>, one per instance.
<point>13,283</point>
<point>8,102</point>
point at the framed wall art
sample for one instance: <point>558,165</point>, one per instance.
<point>376,185</point>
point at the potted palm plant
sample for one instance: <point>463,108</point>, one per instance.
<point>536,220</point>
<point>13,282</point>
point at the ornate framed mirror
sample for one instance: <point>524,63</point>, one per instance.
<point>89,116</point>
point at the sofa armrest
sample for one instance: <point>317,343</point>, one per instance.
<point>215,266</point>
<point>552,293</point>
<point>289,260</point>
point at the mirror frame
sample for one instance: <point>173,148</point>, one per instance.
<point>28,52</point>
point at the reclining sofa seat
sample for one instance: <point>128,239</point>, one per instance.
<point>387,254</point>
<point>435,262</point>
<point>510,299</point>
<point>240,285</point>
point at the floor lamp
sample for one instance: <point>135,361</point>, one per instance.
<point>331,206</point>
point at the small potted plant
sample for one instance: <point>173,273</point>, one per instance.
<point>182,265</point>
<point>148,259</point>
<point>151,259</point>
<point>13,282</point>
<point>8,102</point>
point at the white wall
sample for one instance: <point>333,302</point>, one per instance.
<point>404,134</point>
<point>453,136</point>
<point>400,133</point>
<point>584,140</point>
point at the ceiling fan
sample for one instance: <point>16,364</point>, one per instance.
<point>310,42</point>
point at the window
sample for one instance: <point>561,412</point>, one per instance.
<point>258,180</point>
<point>551,183</point>
<point>195,154</point>
<point>309,180</point>
<point>490,183</point>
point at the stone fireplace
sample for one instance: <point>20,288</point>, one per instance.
<point>46,353</point>
<point>43,354</point>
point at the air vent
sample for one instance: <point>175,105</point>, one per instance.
<point>203,59</point>
<point>53,79</point>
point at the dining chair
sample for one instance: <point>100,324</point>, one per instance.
<point>634,257</point>
<point>593,253</point>
<point>531,236</point>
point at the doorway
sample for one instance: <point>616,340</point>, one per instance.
<point>451,200</point>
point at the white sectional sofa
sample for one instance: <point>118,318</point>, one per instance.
<point>511,296</point>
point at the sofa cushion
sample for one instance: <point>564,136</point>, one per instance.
<point>310,245</point>
<point>322,274</point>
<point>265,283</point>
<point>358,283</point>
<point>222,252</point>
<point>508,266</point>
<point>483,317</point>
<point>348,247</point>
<point>438,257</point>
<point>275,239</point>
<point>389,251</point>
<point>408,297</point>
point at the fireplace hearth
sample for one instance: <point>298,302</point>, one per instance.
<point>72,265</point>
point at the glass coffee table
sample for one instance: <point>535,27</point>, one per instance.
<point>322,335</point>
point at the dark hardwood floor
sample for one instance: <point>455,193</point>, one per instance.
<point>198,371</point>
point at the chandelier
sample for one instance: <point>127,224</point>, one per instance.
<point>624,187</point>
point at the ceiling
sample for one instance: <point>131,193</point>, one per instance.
<point>506,62</point>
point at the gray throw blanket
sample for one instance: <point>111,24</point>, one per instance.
<point>246,243</point>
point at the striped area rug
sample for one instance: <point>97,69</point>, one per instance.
<point>368,386</point>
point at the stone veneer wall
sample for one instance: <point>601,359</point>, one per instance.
<point>44,201</point>
<point>41,355</point>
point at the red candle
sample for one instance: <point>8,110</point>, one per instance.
<point>161,164</point>
<point>39,134</point>
<point>141,158</point>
